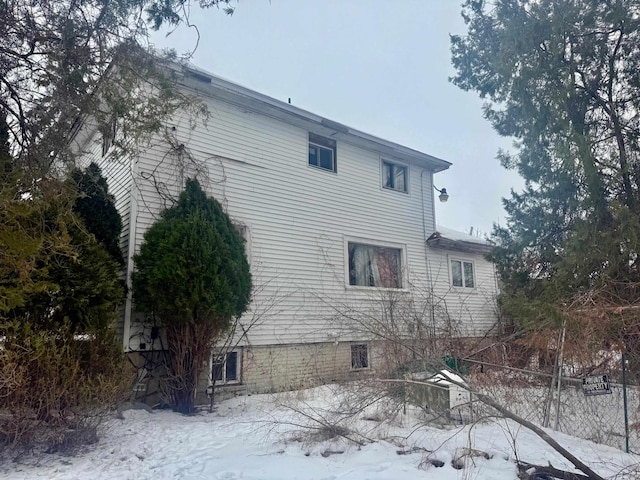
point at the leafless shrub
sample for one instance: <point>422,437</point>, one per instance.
<point>56,388</point>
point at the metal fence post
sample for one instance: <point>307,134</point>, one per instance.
<point>624,401</point>
<point>560,367</point>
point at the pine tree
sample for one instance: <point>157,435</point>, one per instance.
<point>562,79</point>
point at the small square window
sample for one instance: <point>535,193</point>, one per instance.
<point>394,176</point>
<point>359,356</point>
<point>226,368</point>
<point>462,274</point>
<point>322,152</point>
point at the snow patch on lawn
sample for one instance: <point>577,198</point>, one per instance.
<point>262,437</point>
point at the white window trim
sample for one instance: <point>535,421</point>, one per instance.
<point>463,261</point>
<point>384,160</point>
<point>224,381</point>
<point>333,157</point>
<point>368,346</point>
<point>404,274</point>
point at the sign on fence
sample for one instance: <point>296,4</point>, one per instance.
<point>598,385</point>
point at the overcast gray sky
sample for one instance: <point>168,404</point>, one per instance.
<point>379,66</point>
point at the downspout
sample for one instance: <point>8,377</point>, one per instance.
<point>426,234</point>
<point>133,223</point>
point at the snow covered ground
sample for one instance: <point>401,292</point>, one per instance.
<point>260,437</point>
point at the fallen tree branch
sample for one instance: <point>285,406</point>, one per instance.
<point>591,475</point>
<point>551,471</point>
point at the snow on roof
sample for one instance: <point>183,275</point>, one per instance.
<point>457,236</point>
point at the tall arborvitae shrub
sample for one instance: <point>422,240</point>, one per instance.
<point>192,274</point>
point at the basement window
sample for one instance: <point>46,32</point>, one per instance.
<point>322,152</point>
<point>226,368</point>
<point>359,356</point>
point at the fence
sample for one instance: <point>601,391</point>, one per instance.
<point>561,404</point>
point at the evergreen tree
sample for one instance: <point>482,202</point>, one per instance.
<point>96,207</point>
<point>54,270</point>
<point>54,54</point>
<point>562,78</point>
<point>192,274</point>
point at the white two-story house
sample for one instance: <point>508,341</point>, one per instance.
<point>340,235</point>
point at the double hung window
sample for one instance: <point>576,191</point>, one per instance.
<point>462,274</point>
<point>322,152</point>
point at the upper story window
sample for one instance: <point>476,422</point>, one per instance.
<point>322,152</point>
<point>374,266</point>
<point>394,176</point>
<point>462,274</point>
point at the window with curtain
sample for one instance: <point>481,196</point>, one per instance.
<point>375,266</point>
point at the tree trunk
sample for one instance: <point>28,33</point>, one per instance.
<point>189,345</point>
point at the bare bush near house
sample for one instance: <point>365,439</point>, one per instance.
<point>342,418</point>
<point>413,335</point>
<point>56,389</point>
<point>266,302</point>
<point>407,326</point>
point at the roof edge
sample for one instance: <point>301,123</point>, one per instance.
<point>205,82</point>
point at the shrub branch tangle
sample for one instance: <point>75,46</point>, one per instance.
<point>57,281</point>
<point>192,274</point>
<point>54,54</point>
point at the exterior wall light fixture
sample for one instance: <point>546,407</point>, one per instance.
<point>444,196</point>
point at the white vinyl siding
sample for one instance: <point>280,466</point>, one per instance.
<point>466,311</point>
<point>258,170</point>
<point>300,222</point>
